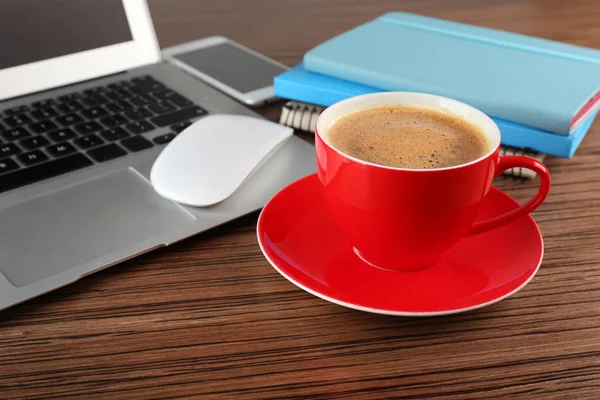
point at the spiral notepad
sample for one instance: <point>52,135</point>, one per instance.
<point>303,117</point>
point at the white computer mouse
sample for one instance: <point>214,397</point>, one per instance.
<point>211,158</point>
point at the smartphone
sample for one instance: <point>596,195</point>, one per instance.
<point>243,74</point>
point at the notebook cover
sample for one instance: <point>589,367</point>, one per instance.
<point>301,85</point>
<point>531,81</point>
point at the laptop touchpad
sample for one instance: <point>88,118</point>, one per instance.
<point>81,223</point>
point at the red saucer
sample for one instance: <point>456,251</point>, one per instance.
<point>301,241</point>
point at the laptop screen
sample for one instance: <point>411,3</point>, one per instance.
<point>35,30</point>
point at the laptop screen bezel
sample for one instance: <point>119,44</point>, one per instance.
<point>59,71</point>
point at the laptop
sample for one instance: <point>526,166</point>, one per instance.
<point>86,106</point>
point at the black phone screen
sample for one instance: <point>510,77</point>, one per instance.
<point>232,66</point>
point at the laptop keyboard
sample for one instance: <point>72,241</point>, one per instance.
<point>54,136</point>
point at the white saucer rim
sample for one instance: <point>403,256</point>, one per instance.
<point>391,312</point>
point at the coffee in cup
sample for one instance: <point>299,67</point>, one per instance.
<point>408,137</point>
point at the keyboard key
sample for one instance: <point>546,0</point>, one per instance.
<point>167,137</point>
<point>136,143</point>
<point>113,120</point>
<point>88,127</point>
<point>16,120</point>
<point>93,100</point>
<point>69,119</point>
<point>161,107</point>
<point>33,157</point>
<point>94,112</point>
<point>107,152</point>
<point>7,165</point>
<point>180,126</point>
<point>9,149</point>
<point>43,103</point>
<point>61,135</point>
<point>87,142</point>
<point>69,97</point>
<point>43,126</point>
<point>138,113</point>
<point>61,149</point>
<point>114,134</point>
<point>178,116</point>
<point>15,134</point>
<point>139,127</point>
<point>172,96</point>
<point>118,94</point>
<point>145,84</point>
<point>44,113</point>
<point>143,100</point>
<point>119,85</point>
<point>142,79</point>
<point>95,90</point>
<point>119,106</point>
<point>16,110</point>
<point>69,106</point>
<point>34,142</point>
<point>13,180</point>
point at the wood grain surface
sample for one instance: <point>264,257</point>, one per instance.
<point>209,317</point>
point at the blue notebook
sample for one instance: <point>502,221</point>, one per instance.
<point>309,87</point>
<point>549,85</point>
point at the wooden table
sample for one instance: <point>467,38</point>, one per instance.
<point>210,318</point>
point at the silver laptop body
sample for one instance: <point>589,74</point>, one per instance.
<point>56,230</point>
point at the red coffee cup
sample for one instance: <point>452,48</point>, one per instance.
<point>404,219</point>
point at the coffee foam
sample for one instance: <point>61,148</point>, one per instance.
<point>408,137</point>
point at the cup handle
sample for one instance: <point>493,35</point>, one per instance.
<point>507,162</point>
